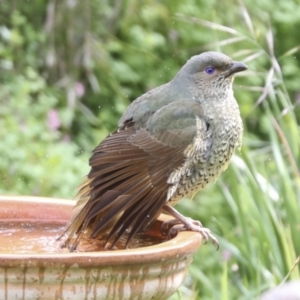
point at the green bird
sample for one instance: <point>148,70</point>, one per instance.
<point>170,143</point>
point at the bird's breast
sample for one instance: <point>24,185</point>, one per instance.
<point>206,166</point>
<point>226,137</point>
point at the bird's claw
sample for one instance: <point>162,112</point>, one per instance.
<point>172,227</point>
<point>167,226</point>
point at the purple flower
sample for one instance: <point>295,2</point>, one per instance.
<point>53,120</point>
<point>79,89</point>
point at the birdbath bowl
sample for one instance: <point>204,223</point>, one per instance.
<point>34,266</point>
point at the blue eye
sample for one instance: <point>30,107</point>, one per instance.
<point>210,70</point>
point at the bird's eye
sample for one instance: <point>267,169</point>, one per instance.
<point>210,70</point>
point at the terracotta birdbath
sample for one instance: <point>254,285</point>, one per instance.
<point>34,266</point>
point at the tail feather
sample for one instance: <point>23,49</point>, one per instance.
<point>98,206</point>
<point>121,203</point>
<point>145,219</point>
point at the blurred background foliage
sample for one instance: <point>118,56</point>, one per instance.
<point>69,69</point>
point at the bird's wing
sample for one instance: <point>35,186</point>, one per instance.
<point>128,182</point>
<point>178,123</point>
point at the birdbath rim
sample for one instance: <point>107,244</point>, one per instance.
<point>184,244</point>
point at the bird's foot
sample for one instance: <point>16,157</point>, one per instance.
<point>181,223</point>
<point>166,226</point>
<point>206,233</point>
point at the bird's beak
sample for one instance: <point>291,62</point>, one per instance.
<point>235,68</point>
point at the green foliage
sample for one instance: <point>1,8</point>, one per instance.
<point>36,158</point>
<point>68,70</point>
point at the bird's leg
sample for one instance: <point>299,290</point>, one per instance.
<point>182,223</point>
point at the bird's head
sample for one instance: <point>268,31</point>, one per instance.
<point>211,71</point>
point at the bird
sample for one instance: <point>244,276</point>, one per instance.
<point>170,143</point>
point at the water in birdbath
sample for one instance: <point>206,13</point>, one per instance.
<point>23,238</point>
<point>32,237</point>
